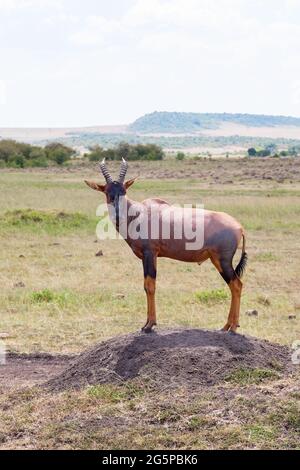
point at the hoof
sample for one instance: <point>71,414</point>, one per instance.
<point>230,328</point>
<point>147,331</point>
<point>148,328</point>
<point>225,328</point>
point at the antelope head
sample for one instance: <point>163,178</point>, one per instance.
<point>114,190</point>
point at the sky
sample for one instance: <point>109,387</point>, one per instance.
<point>67,63</point>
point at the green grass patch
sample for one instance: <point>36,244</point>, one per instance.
<point>66,299</point>
<point>261,433</point>
<point>247,376</point>
<point>287,415</point>
<point>45,295</point>
<point>265,257</point>
<point>62,298</point>
<point>211,297</point>
<point>199,422</point>
<point>114,393</point>
<point>49,222</point>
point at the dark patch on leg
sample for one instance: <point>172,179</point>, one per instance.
<point>227,272</point>
<point>149,265</point>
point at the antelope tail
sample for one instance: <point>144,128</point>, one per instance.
<point>239,270</point>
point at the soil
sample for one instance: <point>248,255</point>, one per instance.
<point>166,358</point>
<point>31,369</point>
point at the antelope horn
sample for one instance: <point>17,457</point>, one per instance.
<point>123,171</point>
<point>105,172</point>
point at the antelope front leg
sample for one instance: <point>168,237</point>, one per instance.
<point>149,264</point>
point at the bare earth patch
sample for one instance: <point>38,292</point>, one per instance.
<point>171,358</point>
<point>31,369</point>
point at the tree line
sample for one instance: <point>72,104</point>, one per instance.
<point>20,155</point>
<point>127,151</point>
<point>272,151</point>
<point>15,154</point>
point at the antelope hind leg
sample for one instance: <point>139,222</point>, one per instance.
<point>149,263</point>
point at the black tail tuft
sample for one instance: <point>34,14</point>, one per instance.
<point>239,270</point>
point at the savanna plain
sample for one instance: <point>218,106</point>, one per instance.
<point>58,298</point>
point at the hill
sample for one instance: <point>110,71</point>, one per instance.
<point>161,122</point>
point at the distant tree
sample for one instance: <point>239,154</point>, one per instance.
<point>96,153</point>
<point>252,152</point>
<point>180,156</point>
<point>21,155</point>
<point>7,149</point>
<point>58,152</point>
<point>123,151</point>
<point>16,160</point>
<point>127,151</point>
<point>109,154</point>
<point>293,151</point>
<point>54,146</point>
<point>263,153</point>
<point>147,152</point>
<point>37,153</point>
<point>59,157</point>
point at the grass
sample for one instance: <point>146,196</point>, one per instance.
<point>114,417</point>
<point>115,394</point>
<point>266,257</point>
<point>246,376</point>
<point>41,221</point>
<point>54,249</point>
<point>212,297</point>
<point>58,297</point>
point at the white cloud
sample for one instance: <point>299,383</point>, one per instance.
<point>94,31</point>
<point>189,16</point>
<point>295,95</point>
<point>3,92</point>
<point>61,17</point>
<point>167,41</point>
<point>111,61</point>
<point>19,4</point>
<point>183,12</point>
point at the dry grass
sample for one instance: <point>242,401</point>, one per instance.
<point>72,299</point>
<point>264,416</point>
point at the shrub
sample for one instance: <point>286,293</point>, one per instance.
<point>252,152</point>
<point>180,156</point>
<point>19,155</point>
<point>127,151</point>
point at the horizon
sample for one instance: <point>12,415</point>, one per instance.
<point>66,64</point>
<point>129,123</point>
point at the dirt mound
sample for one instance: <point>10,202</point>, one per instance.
<point>171,357</point>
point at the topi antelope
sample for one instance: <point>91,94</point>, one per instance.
<point>221,235</point>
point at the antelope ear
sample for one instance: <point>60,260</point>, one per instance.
<point>96,186</point>
<point>130,182</point>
